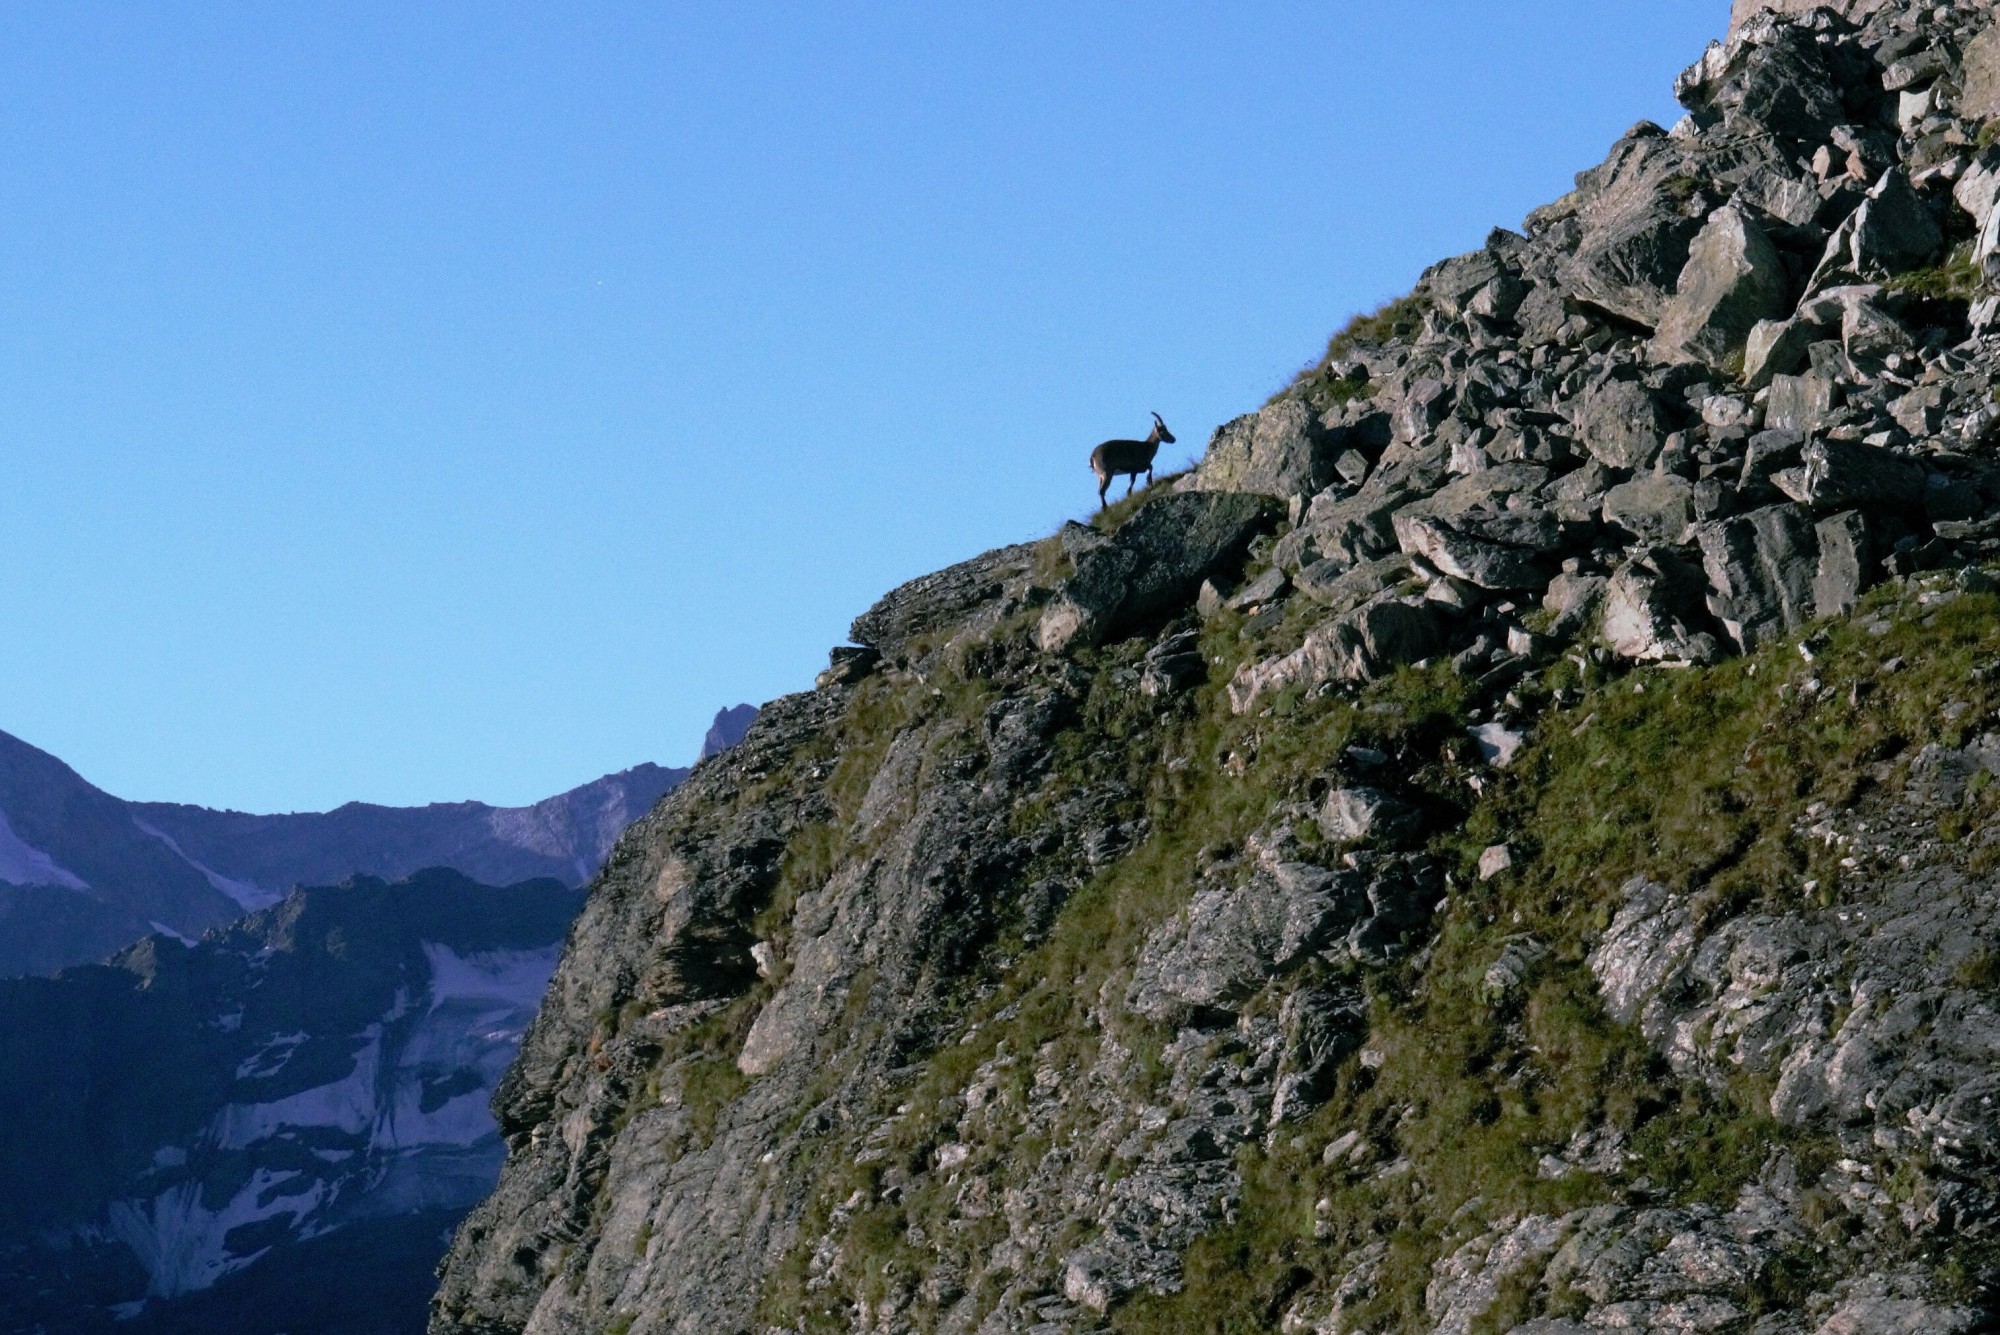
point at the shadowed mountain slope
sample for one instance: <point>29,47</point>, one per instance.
<point>188,1123</point>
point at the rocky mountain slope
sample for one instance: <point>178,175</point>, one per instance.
<point>1506,845</point>
<point>83,873</point>
<point>225,1136</point>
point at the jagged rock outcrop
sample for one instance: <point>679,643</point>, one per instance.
<point>1152,565</point>
<point>1537,886</point>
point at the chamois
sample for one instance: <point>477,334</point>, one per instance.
<point>1130,457</point>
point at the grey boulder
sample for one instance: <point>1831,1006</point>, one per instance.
<point>1837,474</point>
<point>1653,608</point>
<point>1363,645</point>
<point>1979,96</point>
<point>1760,570</point>
<point>1654,507</point>
<point>1351,815</point>
<point>1893,229</point>
<point>1173,665</point>
<point>1344,588</point>
<point>1622,424</point>
<point>1774,348</point>
<point>1801,403</point>
<point>1734,278</point>
<point>1494,549</point>
<point>1635,230</point>
<point>1280,450</point>
<point>1774,79</point>
<point>1153,565</point>
<point>1846,563</point>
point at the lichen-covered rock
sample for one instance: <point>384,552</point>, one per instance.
<point>1761,568</point>
<point>1342,587</point>
<point>1635,229</point>
<point>1734,278</point>
<point>1846,563</point>
<point>1842,473</point>
<point>1281,450</point>
<point>1852,1014</point>
<point>1350,815</point>
<point>1653,609</point>
<point>933,601</point>
<point>1153,565</point>
<point>1504,549</point>
<point>1801,404</point>
<point>1362,645</point>
<point>1771,79</point>
<point>1231,940</point>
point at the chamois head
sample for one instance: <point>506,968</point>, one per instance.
<point>1165,436</point>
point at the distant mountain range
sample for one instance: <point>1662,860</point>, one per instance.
<point>728,729</point>
<point>83,873</point>
<point>274,1129</point>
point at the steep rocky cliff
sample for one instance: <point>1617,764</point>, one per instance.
<point>1506,845</point>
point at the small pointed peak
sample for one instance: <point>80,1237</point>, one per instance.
<point>728,729</point>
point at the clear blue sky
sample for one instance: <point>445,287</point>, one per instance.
<point>413,402</point>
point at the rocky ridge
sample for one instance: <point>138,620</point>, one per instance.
<point>1504,845</point>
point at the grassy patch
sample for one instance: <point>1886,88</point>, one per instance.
<point>1322,386</point>
<point>1388,323</point>
<point>1696,778</point>
<point>708,1085</point>
<point>1958,279</point>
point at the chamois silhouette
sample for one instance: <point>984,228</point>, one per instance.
<point>1129,457</point>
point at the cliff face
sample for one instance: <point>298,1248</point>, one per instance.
<point>1504,846</point>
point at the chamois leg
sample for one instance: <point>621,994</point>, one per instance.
<point>1103,485</point>
<point>1131,481</point>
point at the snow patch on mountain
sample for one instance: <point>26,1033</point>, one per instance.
<point>347,1105</point>
<point>249,897</point>
<point>503,978</point>
<point>182,1244</point>
<point>270,1059</point>
<point>21,863</point>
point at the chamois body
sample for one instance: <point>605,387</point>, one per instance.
<point>1129,457</point>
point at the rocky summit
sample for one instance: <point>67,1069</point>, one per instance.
<point>1506,844</point>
